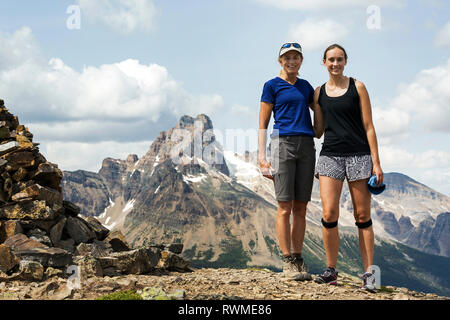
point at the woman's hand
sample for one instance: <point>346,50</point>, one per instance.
<point>266,169</point>
<point>378,172</point>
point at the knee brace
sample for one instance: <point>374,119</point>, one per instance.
<point>329,225</point>
<point>363,225</point>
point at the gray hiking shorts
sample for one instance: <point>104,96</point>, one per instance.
<point>293,158</point>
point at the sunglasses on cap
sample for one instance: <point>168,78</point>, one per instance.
<point>288,45</point>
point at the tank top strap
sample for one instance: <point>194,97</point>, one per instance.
<point>352,86</point>
<point>322,90</point>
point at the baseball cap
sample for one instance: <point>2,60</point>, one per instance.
<point>289,46</point>
<point>372,185</point>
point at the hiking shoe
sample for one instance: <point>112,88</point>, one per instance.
<point>369,282</point>
<point>301,267</point>
<point>290,269</point>
<point>328,277</point>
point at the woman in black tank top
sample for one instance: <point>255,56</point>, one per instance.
<point>350,150</point>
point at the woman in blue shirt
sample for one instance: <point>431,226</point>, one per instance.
<point>292,154</point>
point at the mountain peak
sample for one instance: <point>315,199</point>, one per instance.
<point>187,122</point>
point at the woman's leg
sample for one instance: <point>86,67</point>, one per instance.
<point>361,208</point>
<point>282,226</point>
<point>298,225</point>
<point>330,192</point>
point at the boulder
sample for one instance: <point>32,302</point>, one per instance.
<point>96,249</point>
<point>19,158</point>
<point>176,248</point>
<point>8,147</point>
<point>48,257</point>
<point>71,209</point>
<point>57,230</point>
<point>117,241</point>
<point>38,192</point>
<point>101,232</point>
<point>31,270</point>
<point>89,267</point>
<point>8,259</point>
<point>29,210</point>
<point>20,242</point>
<point>48,174</point>
<point>40,236</point>
<point>9,228</point>
<point>79,230</point>
<point>138,261</point>
<point>28,249</point>
<point>173,262</point>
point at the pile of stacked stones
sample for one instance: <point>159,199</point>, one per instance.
<point>42,235</point>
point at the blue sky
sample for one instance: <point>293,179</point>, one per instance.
<point>136,66</point>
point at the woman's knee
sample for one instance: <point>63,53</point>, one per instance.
<point>362,215</point>
<point>284,208</point>
<point>330,214</point>
<point>299,209</point>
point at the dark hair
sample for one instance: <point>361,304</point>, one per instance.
<point>332,47</point>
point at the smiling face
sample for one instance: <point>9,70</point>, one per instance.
<point>335,61</point>
<point>291,62</point>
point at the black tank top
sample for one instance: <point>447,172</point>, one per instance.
<point>344,130</point>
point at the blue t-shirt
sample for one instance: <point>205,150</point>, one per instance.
<point>290,106</point>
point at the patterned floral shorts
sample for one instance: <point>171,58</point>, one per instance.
<point>352,167</point>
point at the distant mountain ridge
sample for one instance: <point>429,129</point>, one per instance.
<point>224,212</point>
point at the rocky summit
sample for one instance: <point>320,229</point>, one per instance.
<point>204,284</point>
<point>43,235</point>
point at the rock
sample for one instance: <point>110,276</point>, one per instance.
<point>63,292</point>
<point>57,230</point>
<point>31,270</point>
<point>89,267</point>
<point>71,208</point>
<point>49,175</point>
<point>96,249</point>
<point>20,242</point>
<point>101,232</point>
<point>19,158</point>
<point>8,260</point>
<point>79,230</point>
<point>68,245</point>
<point>53,272</point>
<point>176,248</point>
<point>28,210</point>
<point>38,192</point>
<point>9,228</point>
<point>24,142</point>
<point>138,261</point>
<point>48,257</point>
<point>171,261</point>
<point>28,249</point>
<point>20,174</point>
<point>117,241</point>
<point>40,236</point>
<point>8,147</point>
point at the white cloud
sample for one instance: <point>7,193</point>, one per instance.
<point>326,4</point>
<point>67,154</point>
<point>124,16</point>
<point>124,91</point>
<point>391,125</point>
<point>442,38</point>
<point>427,98</point>
<point>317,34</point>
<point>126,102</point>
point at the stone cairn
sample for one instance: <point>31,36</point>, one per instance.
<point>42,235</point>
